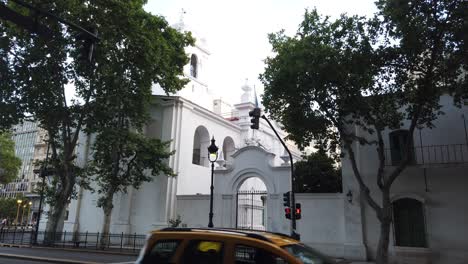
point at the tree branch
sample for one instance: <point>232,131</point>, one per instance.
<point>364,189</point>
<point>380,152</point>
<point>82,114</point>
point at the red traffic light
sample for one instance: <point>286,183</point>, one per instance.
<point>298,213</point>
<point>287,212</point>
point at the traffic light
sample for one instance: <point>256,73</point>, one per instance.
<point>287,212</point>
<point>43,172</point>
<point>255,113</point>
<point>298,211</point>
<point>86,45</point>
<point>287,199</point>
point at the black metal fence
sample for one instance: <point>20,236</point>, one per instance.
<point>111,242</point>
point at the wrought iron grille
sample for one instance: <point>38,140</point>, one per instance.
<point>251,210</point>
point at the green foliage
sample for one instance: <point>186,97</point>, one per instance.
<point>175,222</point>
<point>9,163</point>
<point>317,173</point>
<point>135,50</point>
<point>9,207</point>
<point>123,158</point>
<point>318,78</point>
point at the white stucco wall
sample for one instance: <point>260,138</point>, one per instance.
<point>193,210</point>
<point>445,210</point>
<point>322,225</point>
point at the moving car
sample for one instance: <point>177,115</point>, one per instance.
<point>230,246</point>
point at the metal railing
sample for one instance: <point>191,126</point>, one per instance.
<point>431,155</point>
<point>87,240</point>
<point>18,186</point>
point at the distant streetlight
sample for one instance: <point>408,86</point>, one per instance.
<point>17,212</point>
<point>212,156</point>
<point>22,214</point>
<point>29,212</point>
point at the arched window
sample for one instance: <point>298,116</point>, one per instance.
<point>201,141</point>
<point>194,66</point>
<point>228,148</point>
<point>398,141</point>
<point>409,224</point>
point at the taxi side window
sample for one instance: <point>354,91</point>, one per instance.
<point>203,252</point>
<point>250,255</point>
<point>162,251</point>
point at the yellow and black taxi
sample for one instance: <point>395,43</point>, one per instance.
<point>218,245</point>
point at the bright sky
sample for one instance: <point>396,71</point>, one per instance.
<point>236,32</point>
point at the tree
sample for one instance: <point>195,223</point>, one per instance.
<point>143,47</point>
<point>336,76</point>
<point>9,207</point>
<point>9,163</point>
<point>123,158</point>
<point>317,173</point>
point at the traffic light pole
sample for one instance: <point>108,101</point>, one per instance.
<point>293,198</point>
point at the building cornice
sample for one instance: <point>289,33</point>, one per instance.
<point>197,109</point>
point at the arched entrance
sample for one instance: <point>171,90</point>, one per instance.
<point>248,192</point>
<point>251,205</point>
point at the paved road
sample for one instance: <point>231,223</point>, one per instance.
<point>68,255</point>
<point>19,261</point>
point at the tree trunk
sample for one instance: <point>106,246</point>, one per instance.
<point>57,213</point>
<point>55,220</point>
<point>107,209</point>
<point>382,250</point>
<point>385,222</point>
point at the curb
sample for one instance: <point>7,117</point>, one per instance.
<point>136,253</point>
<point>14,245</point>
<point>51,260</point>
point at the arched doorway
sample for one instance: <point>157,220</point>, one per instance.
<point>251,204</point>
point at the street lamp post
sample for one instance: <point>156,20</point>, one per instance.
<point>22,214</point>
<point>212,156</point>
<point>17,211</point>
<point>29,213</point>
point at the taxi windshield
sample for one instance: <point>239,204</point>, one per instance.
<point>307,255</point>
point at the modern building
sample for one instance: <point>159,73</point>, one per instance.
<point>430,214</point>
<point>24,136</point>
<point>30,147</point>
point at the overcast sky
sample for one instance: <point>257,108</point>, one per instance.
<point>236,32</point>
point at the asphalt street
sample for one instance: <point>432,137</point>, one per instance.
<point>19,261</point>
<point>63,254</point>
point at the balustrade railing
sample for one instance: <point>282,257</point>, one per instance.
<point>430,155</point>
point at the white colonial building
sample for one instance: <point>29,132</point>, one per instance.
<point>430,211</point>
<point>190,119</point>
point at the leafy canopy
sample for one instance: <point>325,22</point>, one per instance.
<point>318,79</point>
<point>124,158</point>
<point>9,163</point>
<point>317,173</point>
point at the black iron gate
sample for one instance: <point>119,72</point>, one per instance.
<point>251,210</point>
